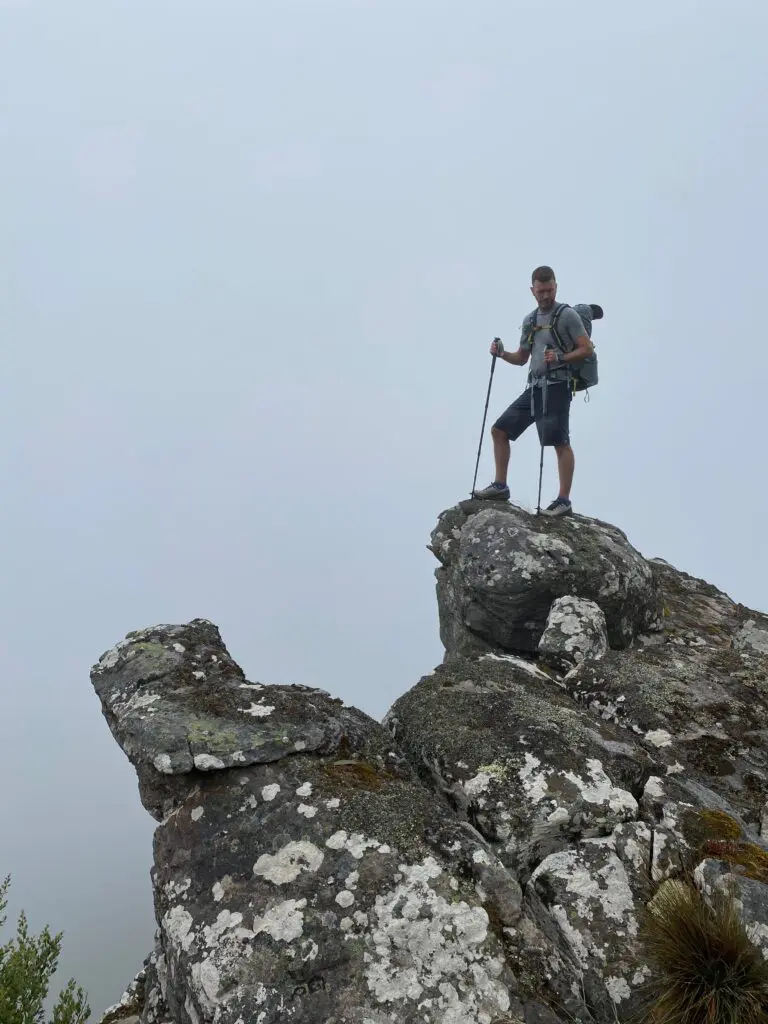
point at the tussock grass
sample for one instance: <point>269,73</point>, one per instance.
<point>708,971</point>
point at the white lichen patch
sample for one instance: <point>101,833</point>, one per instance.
<point>207,762</point>
<point>227,920</point>
<point>549,544</point>
<point>284,921</point>
<point>288,863</point>
<point>356,844</point>
<point>635,853</point>
<point>205,984</point>
<point>177,924</point>
<point>333,803</point>
<point>179,648</point>
<point>312,949</point>
<point>654,788</point>
<point>617,988</point>
<point>111,657</point>
<point>527,666</point>
<point>643,972</point>
<point>305,789</point>
<point>177,890</point>
<point>270,792</point>
<point>307,810</point>
<point>480,782</point>
<point>258,710</point>
<point>162,763</point>
<point>198,674</point>
<point>534,781</point>
<point>196,813</point>
<point>600,790</point>
<point>345,898</point>
<point>582,952</point>
<point>659,738</point>
<point>758,936</point>
<point>429,951</point>
<point>142,702</point>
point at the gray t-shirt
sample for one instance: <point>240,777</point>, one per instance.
<point>569,327</point>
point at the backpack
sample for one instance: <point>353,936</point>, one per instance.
<point>583,374</point>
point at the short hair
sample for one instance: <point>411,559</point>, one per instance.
<point>543,274</point>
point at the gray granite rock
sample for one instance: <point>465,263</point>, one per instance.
<point>501,569</point>
<point>575,630</point>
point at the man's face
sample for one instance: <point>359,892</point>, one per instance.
<point>544,292</point>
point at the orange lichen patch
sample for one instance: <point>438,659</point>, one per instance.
<point>359,774</point>
<point>751,859</point>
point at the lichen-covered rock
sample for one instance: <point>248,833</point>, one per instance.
<point>294,882</point>
<point>510,752</point>
<point>179,706</point>
<point>692,697</point>
<point>575,630</point>
<point>590,896</point>
<point>501,569</point>
<point>502,743</point>
<point>748,894</point>
<point>752,638</point>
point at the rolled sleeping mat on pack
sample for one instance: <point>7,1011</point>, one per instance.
<point>588,313</point>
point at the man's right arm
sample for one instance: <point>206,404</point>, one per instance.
<point>519,358</point>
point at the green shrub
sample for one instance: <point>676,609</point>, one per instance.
<point>27,964</point>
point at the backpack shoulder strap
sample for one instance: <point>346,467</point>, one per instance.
<point>553,324</point>
<point>527,328</point>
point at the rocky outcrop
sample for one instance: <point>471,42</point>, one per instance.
<point>485,854</point>
<point>499,577</point>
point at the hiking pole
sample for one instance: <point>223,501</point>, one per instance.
<point>541,470</point>
<point>485,413</point>
<point>543,413</point>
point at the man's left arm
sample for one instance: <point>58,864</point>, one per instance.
<point>583,347</point>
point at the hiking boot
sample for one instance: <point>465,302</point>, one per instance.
<point>494,492</point>
<point>559,507</point>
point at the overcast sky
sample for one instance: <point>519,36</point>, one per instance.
<point>253,254</point>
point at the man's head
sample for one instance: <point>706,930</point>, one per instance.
<point>544,287</point>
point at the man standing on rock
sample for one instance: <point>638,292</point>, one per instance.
<point>546,399</point>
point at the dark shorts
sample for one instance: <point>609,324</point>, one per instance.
<point>553,428</point>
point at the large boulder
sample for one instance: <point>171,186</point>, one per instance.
<point>501,569</point>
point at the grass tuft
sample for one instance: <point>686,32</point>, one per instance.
<point>708,971</point>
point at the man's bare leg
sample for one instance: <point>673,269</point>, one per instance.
<point>565,466</point>
<point>500,454</point>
